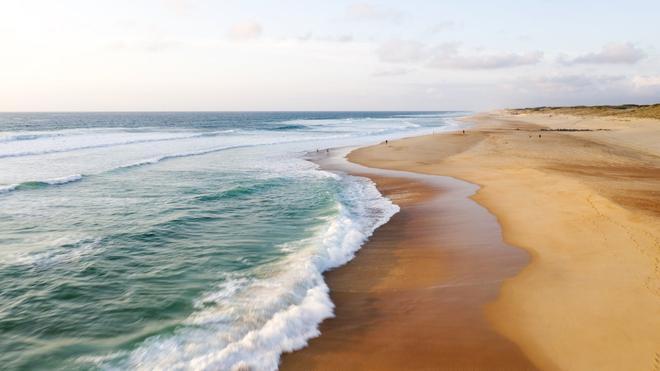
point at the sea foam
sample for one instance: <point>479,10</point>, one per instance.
<point>249,322</point>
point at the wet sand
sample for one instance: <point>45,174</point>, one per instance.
<point>414,296</point>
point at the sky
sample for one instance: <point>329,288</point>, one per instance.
<point>225,55</point>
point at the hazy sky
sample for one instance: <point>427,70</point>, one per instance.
<point>326,55</point>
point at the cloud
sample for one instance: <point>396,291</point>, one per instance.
<point>448,55</point>
<point>345,38</point>
<point>565,85</point>
<point>156,46</point>
<point>642,82</point>
<point>392,72</point>
<point>558,89</point>
<point>181,7</point>
<point>245,31</point>
<point>485,61</point>
<point>306,37</point>
<point>442,26</point>
<point>626,53</point>
<point>149,45</point>
<point>576,89</point>
<point>402,51</point>
<point>559,83</point>
<point>370,12</point>
<point>309,37</point>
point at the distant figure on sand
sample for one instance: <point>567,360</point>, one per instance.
<point>386,141</point>
<point>463,131</point>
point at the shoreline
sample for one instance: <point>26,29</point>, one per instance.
<point>425,273</point>
<point>581,196</point>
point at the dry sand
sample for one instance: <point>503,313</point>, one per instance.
<point>586,206</point>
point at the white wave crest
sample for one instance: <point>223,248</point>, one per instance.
<point>53,146</point>
<point>158,159</point>
<point>8,188</point>
<point>63,180</point>
<point>19,137</point>
<point>46,182</point>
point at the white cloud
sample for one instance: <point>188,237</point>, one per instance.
<point>306,37</point>
<point>442,26</point>
<point>402,51</point>
<point>494,60</point>
<point>345,38</point>
<point>181,7</point>
<point>147,45</point>
<point>558,83</point>
<point>370,12</point>
<point>448,55</point>
<point>392,72</point>
<point>641,82</point>
<point>245,31</point>
<point>626,53</point>
<point>342,38</point>
<point>578,89</point>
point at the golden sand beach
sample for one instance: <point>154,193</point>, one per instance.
<point>439,288</point>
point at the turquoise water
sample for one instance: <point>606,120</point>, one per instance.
<point>177,241</point>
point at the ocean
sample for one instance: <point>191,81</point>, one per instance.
<point>178,240</point>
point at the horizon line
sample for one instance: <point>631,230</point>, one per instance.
<point>231,111</point>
